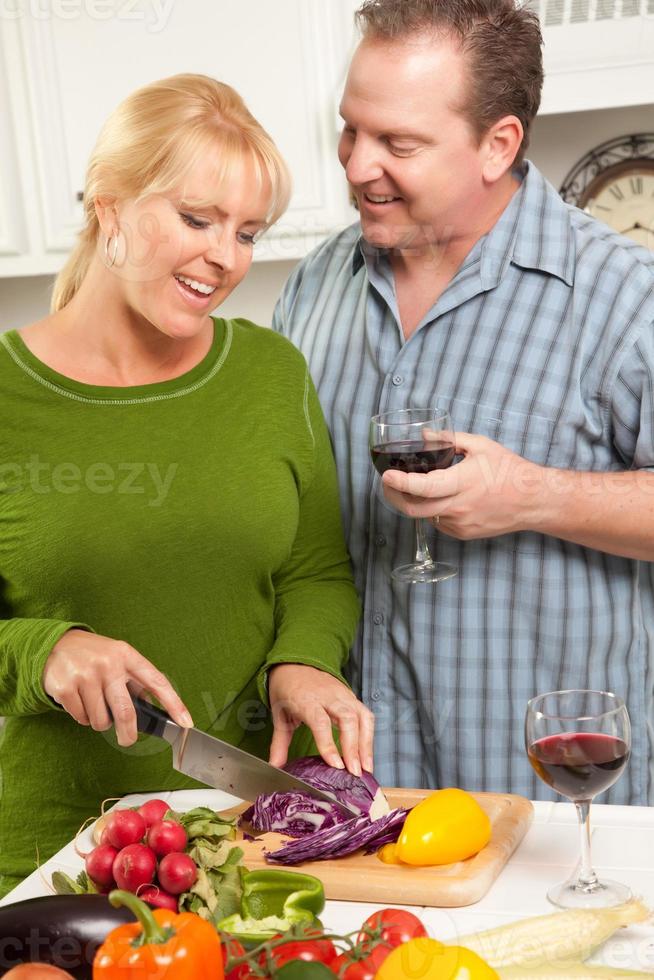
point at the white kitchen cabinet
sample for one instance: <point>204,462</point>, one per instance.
<point>65,64</point>
<point>13,228</point>
<point>599,54</point>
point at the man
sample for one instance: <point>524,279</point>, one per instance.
<point>469,285</point>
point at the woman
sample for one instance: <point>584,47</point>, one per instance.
<point>168,516</point>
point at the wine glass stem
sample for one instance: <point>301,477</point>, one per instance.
<point>422,551</point>
<point>587,879</point>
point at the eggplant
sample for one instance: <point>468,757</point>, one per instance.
<point>63,930</point>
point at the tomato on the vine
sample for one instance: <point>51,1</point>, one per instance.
<point>232,949</point>
<point>311,951</point>
<point>395,926</point>
<point>380,934</point>
<point>311,948</point>
<point>360,969</point>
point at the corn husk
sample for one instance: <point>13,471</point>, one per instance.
<point>568,936</point>
<point>572,970</point>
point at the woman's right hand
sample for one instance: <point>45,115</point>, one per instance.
<point>92,676</point>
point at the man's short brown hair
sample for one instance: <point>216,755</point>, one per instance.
<point>501,42</point>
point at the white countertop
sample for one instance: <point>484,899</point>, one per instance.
<point>623,849</point>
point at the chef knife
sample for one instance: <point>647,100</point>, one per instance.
<point>221,765</point>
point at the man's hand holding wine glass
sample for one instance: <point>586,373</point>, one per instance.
<point>491,491</point>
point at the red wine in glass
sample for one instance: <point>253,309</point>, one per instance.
<point>579,765</point>
<point>414,440</point>
<point>411,457</point>
<point>578,741</point>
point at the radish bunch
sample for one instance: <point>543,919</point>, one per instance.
<point>143,853</point>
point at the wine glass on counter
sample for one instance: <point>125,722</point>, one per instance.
<point>579,742</point>
<point>414,440</point>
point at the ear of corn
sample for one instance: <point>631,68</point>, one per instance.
<point>568,936</point>
<point>582,971</point>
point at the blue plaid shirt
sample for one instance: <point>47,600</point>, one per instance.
<point>543,341</point>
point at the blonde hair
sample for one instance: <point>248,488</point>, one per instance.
<point>151,141</point>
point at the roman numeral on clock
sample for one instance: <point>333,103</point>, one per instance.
<point>636,184</point>
<point>617,192</point>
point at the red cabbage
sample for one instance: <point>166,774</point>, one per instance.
<point>334,842</point>
<point>323,831</point>
<point>362,793</point>
<point>297,814</point>
<point>294,814</point>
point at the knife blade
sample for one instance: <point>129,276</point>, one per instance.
<point>222,765</point>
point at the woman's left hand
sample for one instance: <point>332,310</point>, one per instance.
<point>301,694</point>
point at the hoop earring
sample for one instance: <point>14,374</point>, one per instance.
<point>110,261</point>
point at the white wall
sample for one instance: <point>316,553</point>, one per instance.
<point>558,141</point>
<point>27,299</point>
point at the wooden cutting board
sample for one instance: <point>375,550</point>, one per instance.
<point>364,878</point>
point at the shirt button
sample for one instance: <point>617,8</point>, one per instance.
<point>397,379</point>
<point>378,618</point>
<point>376,695</point>
<point>380,540</point>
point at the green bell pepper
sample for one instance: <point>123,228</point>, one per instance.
<point>253,931</point>
<point>272,901</point>
<point>288,894</point>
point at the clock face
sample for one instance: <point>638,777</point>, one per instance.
<point>623,197</point>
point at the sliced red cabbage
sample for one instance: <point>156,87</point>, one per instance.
<point>362,793</point>
<point>323,830</point>
<point>344,838</point>
<point>295,814</point>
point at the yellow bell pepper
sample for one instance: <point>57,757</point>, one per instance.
<point>447,826</point>
<point>430,960</point>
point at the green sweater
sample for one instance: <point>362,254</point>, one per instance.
<point>198,520</point>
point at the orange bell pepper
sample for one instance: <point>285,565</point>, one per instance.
<point>162,945</point>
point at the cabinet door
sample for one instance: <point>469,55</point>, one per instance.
<point>285,58</point>
<point>13,225</point>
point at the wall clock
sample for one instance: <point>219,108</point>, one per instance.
<point>615,183</point>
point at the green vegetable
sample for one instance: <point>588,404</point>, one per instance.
<point>301,970</point>
<point>201,822</point>
<point>272,902</point>
<point>217,891</point>
<point>287,894</point>
<point>63,884</point>
<point>253,930</point>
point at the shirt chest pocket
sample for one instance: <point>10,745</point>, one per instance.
<point>531,436</point>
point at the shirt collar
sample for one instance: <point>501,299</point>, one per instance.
<point>533,232</point>
<point>358,259</point>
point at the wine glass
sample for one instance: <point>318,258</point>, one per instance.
<point>579,742</point>
<point>414,440</point>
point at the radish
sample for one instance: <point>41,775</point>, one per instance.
<point>99,864</point>
<point>177,872</point>
<point>153,811</point>
<point>166,836</point>
<point>124,827</point>
<point>158,898</point>
<point>134,865</point>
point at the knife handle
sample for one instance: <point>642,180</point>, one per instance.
<point>150,720</point>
